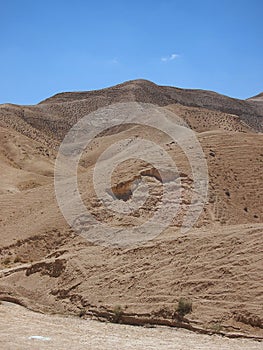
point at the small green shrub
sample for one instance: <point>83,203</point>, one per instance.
<point>216,327</point>
<point>117,313</point>
<point>185,306</point>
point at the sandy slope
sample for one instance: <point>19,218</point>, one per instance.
<point>24,163</point>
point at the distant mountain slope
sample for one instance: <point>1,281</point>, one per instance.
<point>257,102</point>
<point>258,97</point>
<point>148,92</point>
<point>49,121</point>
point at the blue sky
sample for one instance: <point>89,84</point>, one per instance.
<point>52,46</point>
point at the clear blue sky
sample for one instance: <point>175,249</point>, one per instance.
<point>52,46</point>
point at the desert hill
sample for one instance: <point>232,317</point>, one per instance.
<point>258,97</point>
<point>52,118</point>
<point>46,266</point>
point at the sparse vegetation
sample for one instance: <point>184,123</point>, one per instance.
<point>82,312</point>
<point>7,261</point>
<point>17,259</point>
<point>184,307</point>
<point>216,327</point>
<point>117,313</point>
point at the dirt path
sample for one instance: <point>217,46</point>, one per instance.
<point>22,329</point>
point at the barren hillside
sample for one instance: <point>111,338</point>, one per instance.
<point>47,266</point>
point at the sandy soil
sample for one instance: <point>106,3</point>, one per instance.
<point>20,329</point>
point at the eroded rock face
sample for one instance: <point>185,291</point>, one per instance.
<point>124,190</point>
<point>53,269</point>
<point>248,318</point>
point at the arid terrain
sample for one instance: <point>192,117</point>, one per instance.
<point>39,331</point>
<point>47,266</point>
